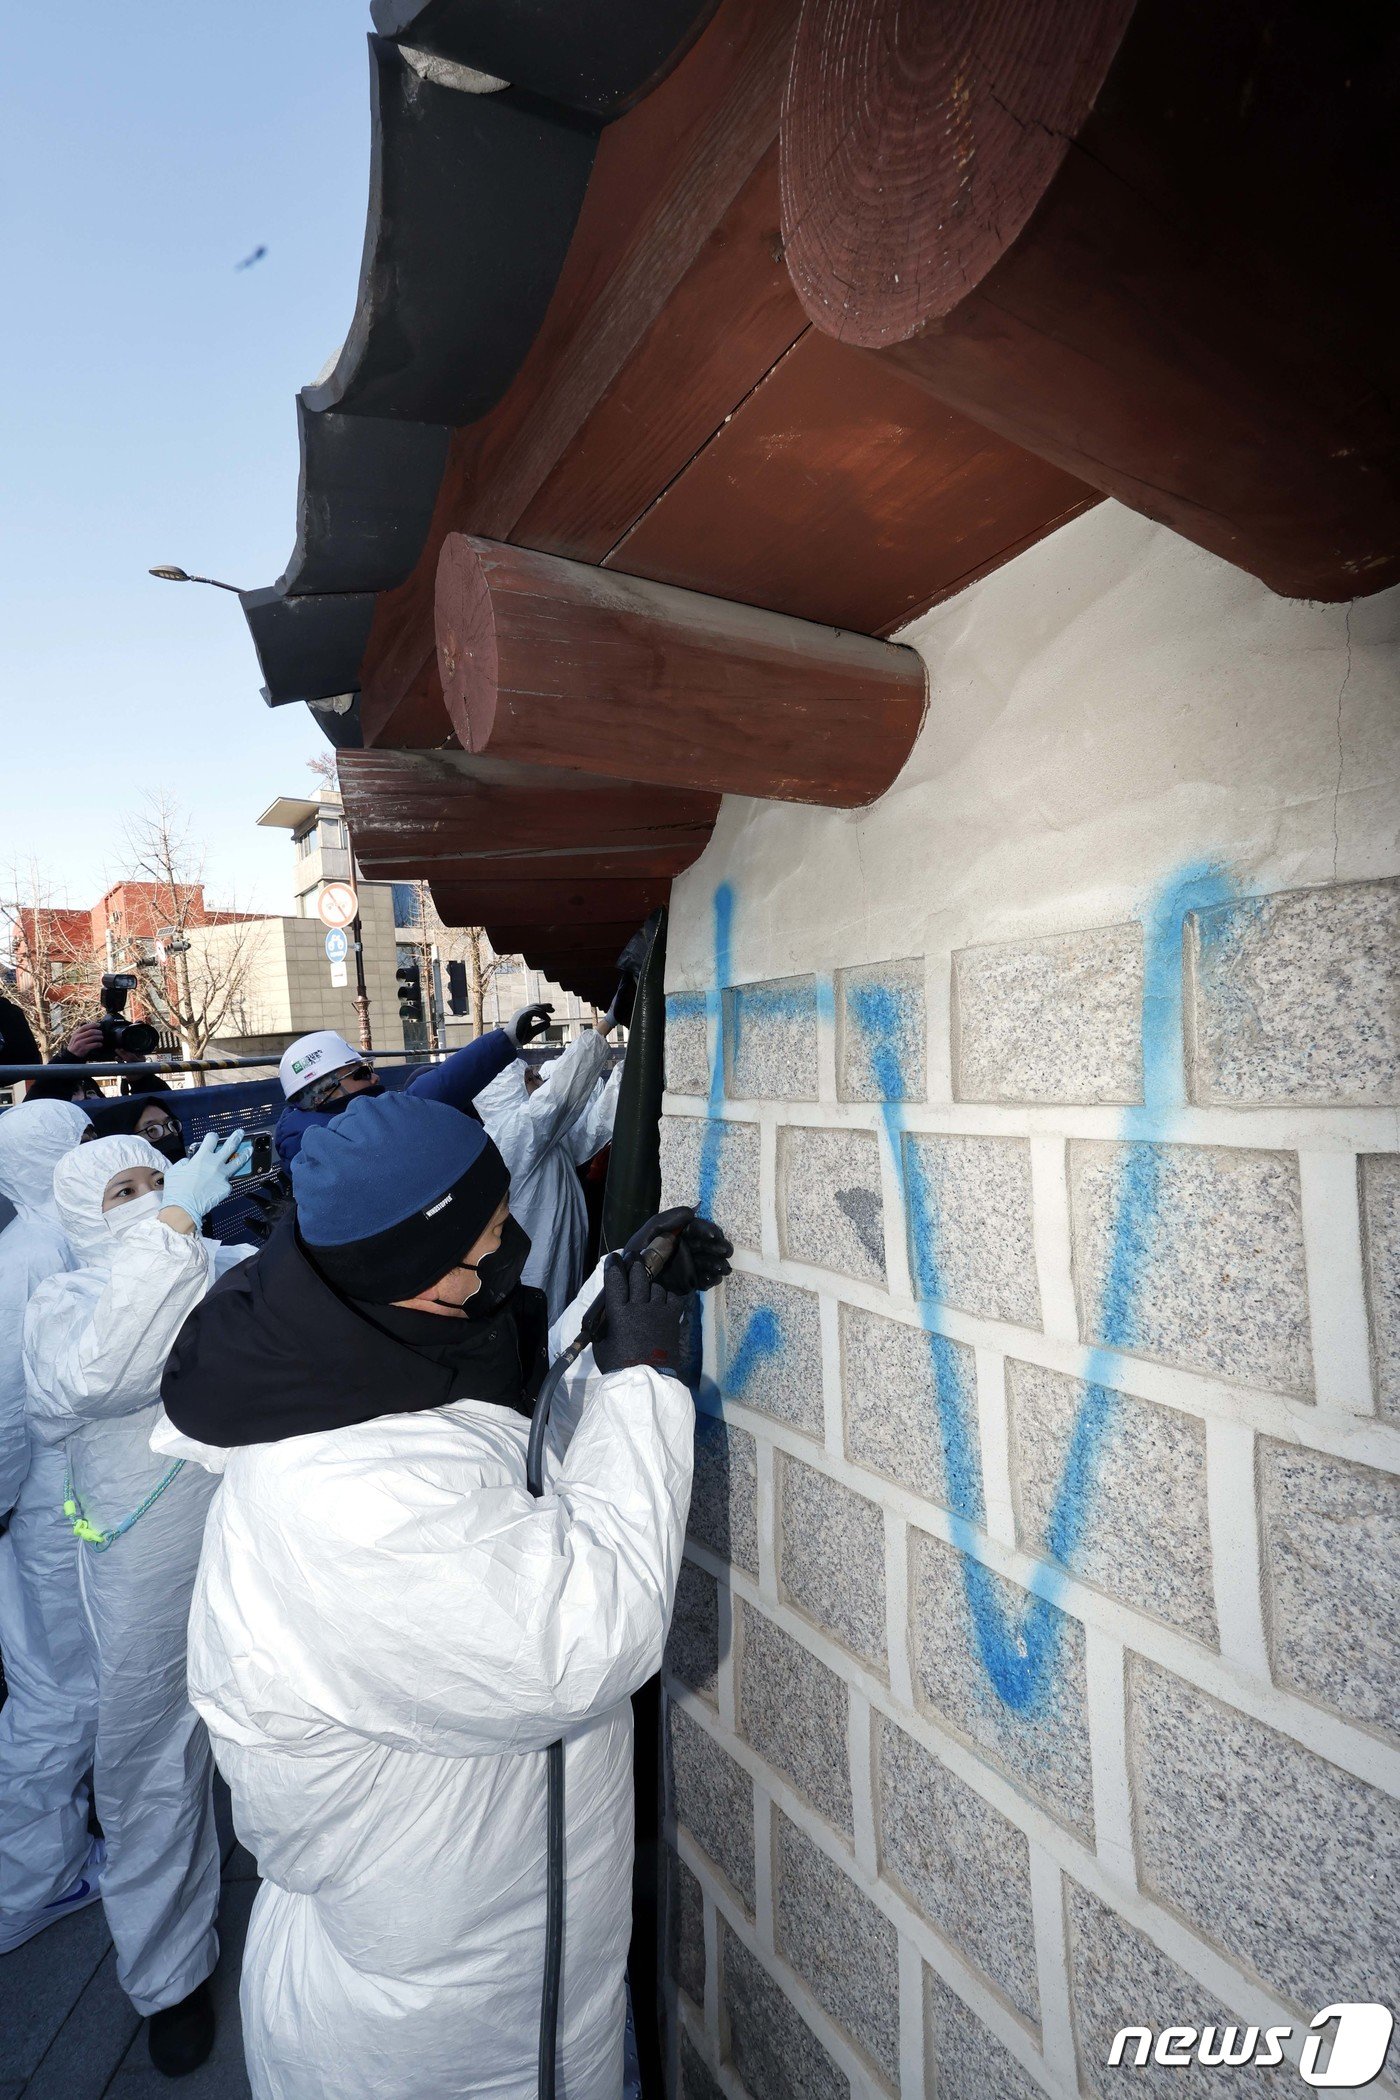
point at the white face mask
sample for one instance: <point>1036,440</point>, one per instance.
<point>134,1212</point>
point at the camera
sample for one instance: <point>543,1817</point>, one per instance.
<point>120,1037</point>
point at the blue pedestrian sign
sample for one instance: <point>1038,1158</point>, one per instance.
<point>337,944</point>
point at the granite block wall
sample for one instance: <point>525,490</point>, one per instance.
<point>1034,1671</point>
<point>1033,1667</point>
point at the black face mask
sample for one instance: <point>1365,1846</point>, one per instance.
<point>340,1102</point>
<point>497,1274</point>
<point>172,1147</point>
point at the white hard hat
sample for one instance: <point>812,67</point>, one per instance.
<point>314,1057</point>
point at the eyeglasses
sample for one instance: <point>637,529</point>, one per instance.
<point>159,1130</point>
<point>326,1089</point>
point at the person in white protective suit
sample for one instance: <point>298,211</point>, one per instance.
<point>545,1127</point>
<point>388,1631</point>
<point>95,1344</point>
<point>49,1864</point>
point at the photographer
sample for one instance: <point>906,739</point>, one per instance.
<point>110,1040</point>
<point>321,1075</point>
<point>95,1344</point>
<point>388,1630</point>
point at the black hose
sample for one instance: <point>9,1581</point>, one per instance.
<point>655,1256</point>
<point>553,1917</point>
<point>554,1767</point>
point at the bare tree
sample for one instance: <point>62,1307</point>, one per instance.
<point>468,944</point>
<point>326,769</point>
<point>194,963</point>
<point>52,951</point>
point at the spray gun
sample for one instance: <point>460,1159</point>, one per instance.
<point>654,1249</point>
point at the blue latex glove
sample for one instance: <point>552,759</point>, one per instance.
<point>196,1184</point>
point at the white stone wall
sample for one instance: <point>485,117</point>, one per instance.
<point>1033,1670</point>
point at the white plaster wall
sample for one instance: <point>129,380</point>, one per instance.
<point>1110,705</point>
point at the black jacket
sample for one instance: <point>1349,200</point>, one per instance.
<point>274,1352</point>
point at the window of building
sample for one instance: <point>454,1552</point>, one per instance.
<point>306,843</point>
<point>406,904</point>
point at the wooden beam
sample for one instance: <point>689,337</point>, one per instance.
<point>421,812</point>
<point>547,661</point>
<point>840,490</point>
<point>582,866</point>
<point>1138,237</point>
<point>489,898</point>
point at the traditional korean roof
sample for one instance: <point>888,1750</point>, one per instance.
<point>779,311</point>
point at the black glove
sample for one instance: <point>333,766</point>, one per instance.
<point>631,963</point>
<point>530,1021</point>
<point>269,1202</point>
<point>643,1321</point>
<point>701,1257</point>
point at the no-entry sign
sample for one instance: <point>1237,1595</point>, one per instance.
<point>337,904</point>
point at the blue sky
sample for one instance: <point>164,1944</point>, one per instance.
<point>148,392</point>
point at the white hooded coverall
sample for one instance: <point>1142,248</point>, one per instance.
<point>387,1633</point>
<point>95,1344</point>
<point>544,1138</point>
<point>49,1720</point>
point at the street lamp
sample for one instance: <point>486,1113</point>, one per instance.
<point>172,575</point>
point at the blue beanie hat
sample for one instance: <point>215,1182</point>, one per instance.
<point>392,1191</point>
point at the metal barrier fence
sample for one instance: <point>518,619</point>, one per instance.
<point>246,1104</point>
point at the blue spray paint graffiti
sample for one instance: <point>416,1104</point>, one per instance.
<point>714,1128</point>
<point>1019,1654</point>
<point>761,1339</point>
<point>1017,1650</point>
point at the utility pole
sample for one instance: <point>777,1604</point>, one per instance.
<point>361,995</point>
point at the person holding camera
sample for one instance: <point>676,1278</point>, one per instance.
<point>110,1040</point>
<point>95,1344</point>
<point>321,1075</point>
<point>389,1631</point>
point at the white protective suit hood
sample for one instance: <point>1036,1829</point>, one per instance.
<point>33,1139</point>
<point>79,1184</point>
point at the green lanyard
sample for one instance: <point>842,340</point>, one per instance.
<point>101,1540</point>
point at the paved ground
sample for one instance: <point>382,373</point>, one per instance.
<point>67,2032</point>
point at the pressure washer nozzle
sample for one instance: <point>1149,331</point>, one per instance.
<point>659,1251</point>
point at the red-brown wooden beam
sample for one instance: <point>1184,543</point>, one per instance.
<point>485,899</point>
<point>550,662</point>
<point>420,813</point>
<point>1138,237</point>
<point>841,490</point>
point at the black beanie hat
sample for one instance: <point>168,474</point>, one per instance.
<point>392,1192</point>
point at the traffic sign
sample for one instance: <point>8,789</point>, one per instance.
<point>337,945</point>
<point>337,904</point>
<point>339,974</point>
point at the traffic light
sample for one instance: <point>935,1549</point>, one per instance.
<point>457,1000</point>
<point>410,994</point>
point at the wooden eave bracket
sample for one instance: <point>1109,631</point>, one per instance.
<point>551,662</point>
